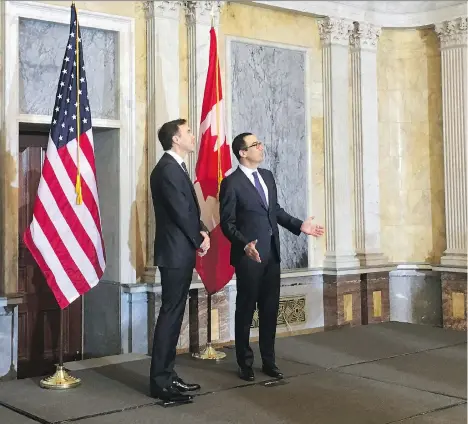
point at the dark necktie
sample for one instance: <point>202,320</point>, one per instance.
<point>184,167</point>
<point>259,188</point>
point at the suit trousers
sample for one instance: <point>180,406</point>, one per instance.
<point>257,284</point>
<point>175,284</point>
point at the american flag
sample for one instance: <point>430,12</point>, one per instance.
<point>65,236</point>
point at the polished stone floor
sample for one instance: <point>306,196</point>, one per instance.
<point>376,374</point>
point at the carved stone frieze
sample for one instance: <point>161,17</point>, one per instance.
<point>364,36</point>
<point>335,31</point>
<point>203,10</point>
<point>453,33</point>
<point>164,8</point>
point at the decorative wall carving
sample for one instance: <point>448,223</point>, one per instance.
<point>335,31</point>
<point>191,8</point>
<point>364,35</point>
<point>453,33</point>
<point>292,311</point>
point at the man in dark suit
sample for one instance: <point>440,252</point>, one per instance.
<point>179,235</point>
<point>250,214</point>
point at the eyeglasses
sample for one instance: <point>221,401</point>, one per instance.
<point>257,144</point>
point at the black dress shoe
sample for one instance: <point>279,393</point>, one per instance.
<point>170,394</point>
<point>182,386</point>
<point>246,374</point>
<point>272,371</point>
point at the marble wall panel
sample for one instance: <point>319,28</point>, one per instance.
<point>101,309</point>
<point>107,154</point>
<point>454,290</point>
<point>296,288</point>
<point>8,341</point>
<point>411,146</point>
<point>268,99</point>
<point>219,319</point>
<point>415,297</point>
<point>41,50</point>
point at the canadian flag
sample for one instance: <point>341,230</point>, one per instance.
<point>214,161</point>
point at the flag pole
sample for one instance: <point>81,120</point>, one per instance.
<point>210,352</point>
<point>61,379</point>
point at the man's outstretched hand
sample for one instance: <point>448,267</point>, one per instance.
<point>205,244</point>
<point>311,229</point>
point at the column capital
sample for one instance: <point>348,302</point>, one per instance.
<point>163,9</point>
<point>453,33</point>
<point>335,30</point>
<point>364,36</point>
<point>203,11</point>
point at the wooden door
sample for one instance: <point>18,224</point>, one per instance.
<point>39,314</point>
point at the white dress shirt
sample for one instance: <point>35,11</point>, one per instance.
<point>249,173</point>
<point>177,157</point>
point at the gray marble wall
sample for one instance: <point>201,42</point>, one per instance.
<point>268,99</point>
<point>101,320</point>
<point>415,296</point>
<point>8,340</point>
<point>106,150</point>
<point>42,46</point>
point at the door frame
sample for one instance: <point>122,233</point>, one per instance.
<point>9,127</point>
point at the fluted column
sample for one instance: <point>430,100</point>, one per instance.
<point>200,15</point>
<point>453,45</point>
<point>4,277</point>
<point>162,85</point>
<point>363,40</point>
<point>334,34</point>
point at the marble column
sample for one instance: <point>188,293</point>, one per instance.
<point>453,45</point>
<point>162,85</point>
<point>200,16</point>
<point>3,275</point>
<point>363,40</point>
<point>340,253</point>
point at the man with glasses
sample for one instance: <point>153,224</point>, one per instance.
<point>249,215</point>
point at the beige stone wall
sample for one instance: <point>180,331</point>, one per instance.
<point>274,26</point>
<point>411,147</point>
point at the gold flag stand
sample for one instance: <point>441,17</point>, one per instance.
<point>60,380</point>
<point>209,352</point>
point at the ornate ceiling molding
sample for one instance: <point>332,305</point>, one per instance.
<point>387,14</point>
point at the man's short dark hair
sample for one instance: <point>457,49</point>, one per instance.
<point>238,144</point>
<point>169,130</point>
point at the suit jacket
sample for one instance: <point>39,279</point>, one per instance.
<point>244,217</point>
<point>177,215</point>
